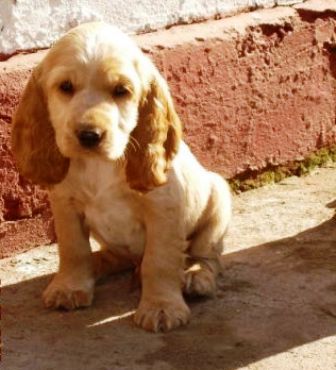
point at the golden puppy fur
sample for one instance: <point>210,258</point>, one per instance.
<point>97,126</point>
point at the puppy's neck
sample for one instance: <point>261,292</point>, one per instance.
<point>95,173</point>
<point>94,164</point>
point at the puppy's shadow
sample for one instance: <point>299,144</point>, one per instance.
<point>272,298</point>
<point>332,204</point>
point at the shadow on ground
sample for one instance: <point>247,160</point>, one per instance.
<point>271,298</point>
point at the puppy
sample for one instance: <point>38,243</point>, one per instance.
<point>97,126</point>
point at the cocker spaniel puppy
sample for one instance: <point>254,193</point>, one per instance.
<point>97,126</point>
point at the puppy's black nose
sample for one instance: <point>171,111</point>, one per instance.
<point>89,138</point>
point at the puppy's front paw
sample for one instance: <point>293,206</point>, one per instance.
<point>161,315</point>
<point>69,293</point>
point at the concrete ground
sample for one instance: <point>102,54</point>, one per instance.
<point>275,308</point>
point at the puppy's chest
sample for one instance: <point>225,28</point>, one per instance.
<point>113,220</point>
<point>111,210</point>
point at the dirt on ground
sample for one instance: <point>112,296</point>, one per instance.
<point>275,308</point>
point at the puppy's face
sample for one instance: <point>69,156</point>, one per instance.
<point>96,94</point>
<point>93,90</point>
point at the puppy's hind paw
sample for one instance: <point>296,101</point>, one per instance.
<point>199,282</point>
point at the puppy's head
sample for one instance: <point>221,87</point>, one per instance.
<point>96,94</point>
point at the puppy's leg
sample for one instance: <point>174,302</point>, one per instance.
<point>73,285</point>
<point>207,243</point>
<point>162,306</point>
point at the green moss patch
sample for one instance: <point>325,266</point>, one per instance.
<point>271,174</point>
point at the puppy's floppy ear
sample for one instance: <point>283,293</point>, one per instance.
<point>33,137</point>
<point>155,140</point>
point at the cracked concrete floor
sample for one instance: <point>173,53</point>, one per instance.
<point>275,308</point>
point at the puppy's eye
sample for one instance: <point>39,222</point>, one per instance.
<point>120,90</point>
<point>67,87</point>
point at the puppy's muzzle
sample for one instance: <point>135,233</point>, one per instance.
<point>89,138</point>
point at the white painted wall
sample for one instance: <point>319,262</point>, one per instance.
<point>30,24</point>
